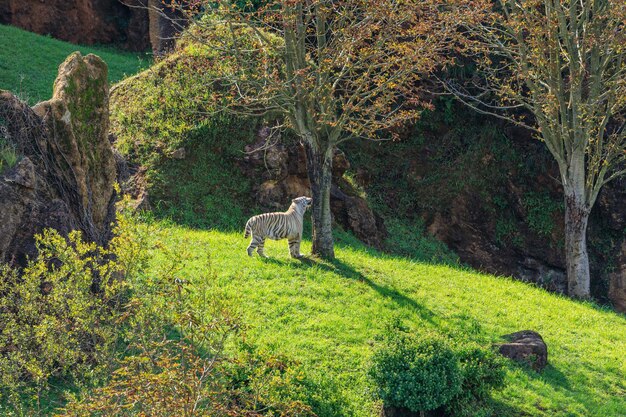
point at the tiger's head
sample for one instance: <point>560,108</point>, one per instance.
<point>302,203</point>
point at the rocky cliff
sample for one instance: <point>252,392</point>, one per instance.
<point>82,21</point>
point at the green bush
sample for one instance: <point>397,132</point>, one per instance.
<point>59,318</point>
<point>428,371</point>
<point>419,374</point>
<point>482,372</point>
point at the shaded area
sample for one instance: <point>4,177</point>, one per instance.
<point>336,266</point>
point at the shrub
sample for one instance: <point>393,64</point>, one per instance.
<point>173,378</point>
<point>482,372</point>
<point>59,317</point>
<point>428,371</point>
<point>419,374</point>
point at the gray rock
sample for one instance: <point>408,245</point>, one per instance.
<point>526,346</point>
<point>179,153</point>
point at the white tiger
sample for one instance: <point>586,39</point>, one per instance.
<point>278,226</point>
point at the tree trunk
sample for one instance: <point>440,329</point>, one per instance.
<point>319,166</point>
<point>577,259</point>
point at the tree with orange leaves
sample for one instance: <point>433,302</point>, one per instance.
<point>335,70</point>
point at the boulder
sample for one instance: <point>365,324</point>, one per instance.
<point>354,214</point>
<point>65,177</point>
<point>77,117</point>
<point>526,347</point>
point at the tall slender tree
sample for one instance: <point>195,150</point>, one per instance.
<point>334,70</point>
<point>563,62</point>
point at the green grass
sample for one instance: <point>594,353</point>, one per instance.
<point>327,315</point>
<point>29,62</point>
<point>8,155</point>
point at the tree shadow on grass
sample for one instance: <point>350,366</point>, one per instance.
<point>341,268</point>
<point>551,375</point>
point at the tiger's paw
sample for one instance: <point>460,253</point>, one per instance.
<point>297,256</point>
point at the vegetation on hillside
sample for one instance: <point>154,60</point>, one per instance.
<point>453,154</point>
<point>29,62</point>
<point>329,316</point>
<point>173,318</point>
<point>169,107</point>
<point>292,335</point>
<point>563,63</point>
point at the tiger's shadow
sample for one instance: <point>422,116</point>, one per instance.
<point>347,271</point>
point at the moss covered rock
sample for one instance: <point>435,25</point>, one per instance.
<point>77,118</point>
<point>65,175</point>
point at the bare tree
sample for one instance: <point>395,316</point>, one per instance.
<point>334,70</point>
<point>563,61</point>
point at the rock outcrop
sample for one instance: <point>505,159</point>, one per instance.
<point>82,21</point>
<point>65,178</point>
<point>617,282</point>
<point>281,173</point>
<point>166,23</point>
<point>526,347</point>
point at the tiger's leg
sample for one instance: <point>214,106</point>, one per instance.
<point>260,245</point>
<point>253,244</point>
<point>294,247</point>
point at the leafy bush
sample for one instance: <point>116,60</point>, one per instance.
<point>482,372</point>
<point>541,210</point>
<point>428,371</point>
<point>59,317</point>
<point>173,378</point>
<point>419,374</point>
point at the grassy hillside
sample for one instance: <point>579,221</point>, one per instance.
<point>29,62</point>
<point>327,315</point>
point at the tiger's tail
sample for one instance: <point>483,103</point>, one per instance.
<point>248,230</point>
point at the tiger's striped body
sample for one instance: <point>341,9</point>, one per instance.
<point>276,226</point>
